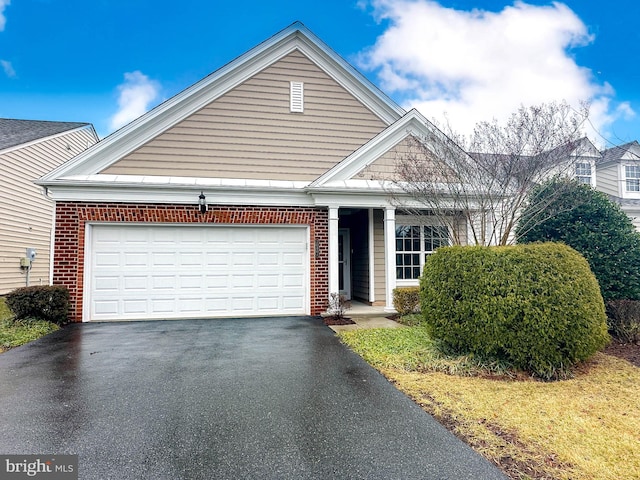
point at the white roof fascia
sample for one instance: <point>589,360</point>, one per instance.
<point>170,194</point>
<point>632,153</point>
<point>195,97</point>
<point>50,137</point>
<point>413,123</point>
<point>585,149</point>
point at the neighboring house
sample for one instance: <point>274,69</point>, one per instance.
<point>619,177</point>
<point>584,160</point>
<point>614,171</point>
<point>256,191</point>
<point>28,150</point>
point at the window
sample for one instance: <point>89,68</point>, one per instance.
<point>583,173</point>
<point>632,175</point>
<point>414,243</point>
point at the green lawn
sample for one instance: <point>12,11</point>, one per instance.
<point>587,427</point>
<point>16,333</point>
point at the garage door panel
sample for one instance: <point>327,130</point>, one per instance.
<point>269,259</point>
<point>162,282</point>
<point>135,283</point>
<point>106,307</point>
<point>107,284</point>
<point>294,259</point>
<point>107,259</point>
<point>134,306</point>
<point>184,271</point>
<point>293,281</point>
<point>217,259</point>
<point>162,306</point>
<point>190,259</point>
<point>163,259</point>
<point>291,302</point>
<point>267,280</point>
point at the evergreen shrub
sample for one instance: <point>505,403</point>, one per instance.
<point>535,306</point>
<point>406,300</point>
<point>43,302</point>
<point>588,221</point>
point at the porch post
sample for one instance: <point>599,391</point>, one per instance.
<point>390,254</point>
<point>334,283</point>
<point>372,260</point>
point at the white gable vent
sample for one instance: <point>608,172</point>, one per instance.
<point>297,97</point>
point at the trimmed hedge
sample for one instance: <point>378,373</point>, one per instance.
<point>406,300</point>
<point>535,306</point>
<point>50,303</point>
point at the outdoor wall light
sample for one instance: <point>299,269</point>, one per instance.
<point>202,203</point>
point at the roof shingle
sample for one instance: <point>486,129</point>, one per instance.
<point>17,132</point>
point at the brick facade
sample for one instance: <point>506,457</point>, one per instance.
<point>71,218</point>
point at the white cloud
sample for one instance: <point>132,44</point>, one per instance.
<point>479,65</point>
<point>3,19</point>
<point>136,95</point>
<point>8,68</point>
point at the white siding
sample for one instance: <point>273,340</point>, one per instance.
<point>608,180</point>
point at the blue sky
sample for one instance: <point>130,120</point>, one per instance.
<point>108,61</point>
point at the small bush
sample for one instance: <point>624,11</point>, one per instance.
<point>537,307</point>
<point>50,303</point>
<point>623,318</point>
<point>338,306</point>
<point>406,300</point>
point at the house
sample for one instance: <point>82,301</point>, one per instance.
<point>618,174</point>
<point>28,150</point>
<point>584,159</point>
<point>256,191</point>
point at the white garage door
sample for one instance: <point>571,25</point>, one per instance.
<point>144,272</point>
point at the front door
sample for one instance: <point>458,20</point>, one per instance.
<point>344,263</point>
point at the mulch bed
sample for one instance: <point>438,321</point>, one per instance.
<point>338,321</point>
<point>626,351</point>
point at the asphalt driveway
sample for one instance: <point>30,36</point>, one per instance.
<point>219,399</point>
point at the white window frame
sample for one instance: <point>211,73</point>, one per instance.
<point>582,175</point>
<point>635,179</point>
<point>423,252</point>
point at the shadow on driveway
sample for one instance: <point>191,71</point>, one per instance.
<point>219,399</point>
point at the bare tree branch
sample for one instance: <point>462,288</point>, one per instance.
<point>489,186</point>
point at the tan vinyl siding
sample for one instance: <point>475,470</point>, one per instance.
<point>25,213</point>
<point>249,132</point>
<point>378,254</point>
<point>384,167</point>
<point>608,180</point>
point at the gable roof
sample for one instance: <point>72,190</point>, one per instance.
<point>628,151</point>
<point>19,132</point>
<point>192,99</point>
<point>411,124</point>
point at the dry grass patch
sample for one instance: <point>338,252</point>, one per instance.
<point>587,427</point>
